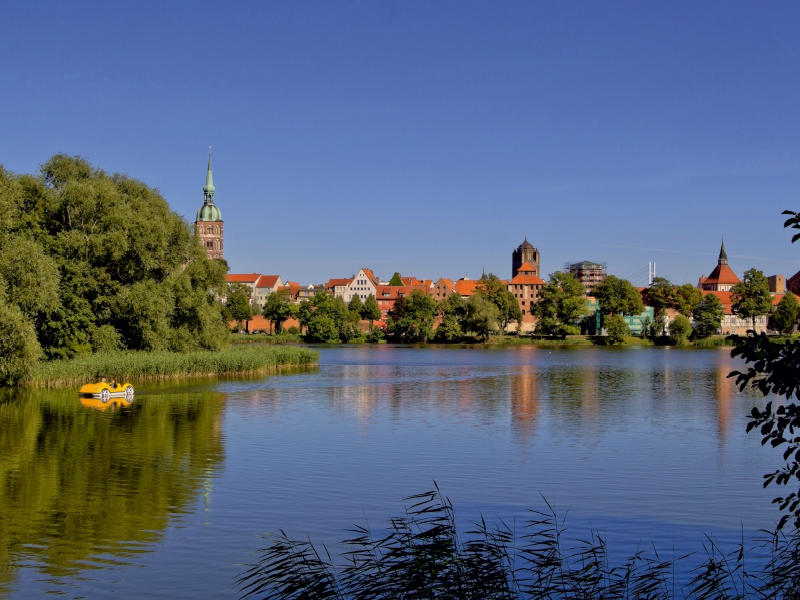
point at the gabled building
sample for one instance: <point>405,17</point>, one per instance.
<point>466,287</point>
<point>337,286</point>
<point>525,286</point>
<point>722,278</point>
<point>442,289</point>
<point>719,283</point>
<point>261,286</point>
<point>362,285</point>
<point>387,295</point>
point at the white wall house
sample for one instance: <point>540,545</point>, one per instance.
<point>362,285</point>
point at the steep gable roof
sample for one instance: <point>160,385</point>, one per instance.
<point>267,281</point>
<point>722,274</point>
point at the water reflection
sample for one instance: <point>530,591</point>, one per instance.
<point>82,487</point>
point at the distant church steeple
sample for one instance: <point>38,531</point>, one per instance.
<point>723,256</point>
<point>208,223</point>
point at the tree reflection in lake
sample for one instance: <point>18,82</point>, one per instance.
<point>81,487</point>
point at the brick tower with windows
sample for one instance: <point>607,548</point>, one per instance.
<point>525,253</point>
<point>208,224</point>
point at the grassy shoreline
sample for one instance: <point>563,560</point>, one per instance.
<point>151,366</point>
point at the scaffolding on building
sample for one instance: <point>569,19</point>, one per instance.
<point>589,273</point>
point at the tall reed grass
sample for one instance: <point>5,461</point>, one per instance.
<point>422,556</point>
<point>137,366</point>
<point>263,338</point>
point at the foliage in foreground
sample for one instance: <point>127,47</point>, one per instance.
<point>422,555</point>
<point>774,368</point>
<point>167,365</point>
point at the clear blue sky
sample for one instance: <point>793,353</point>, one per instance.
<point>430,137</point>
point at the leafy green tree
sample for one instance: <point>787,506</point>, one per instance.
<point>305,313</point>
<point>279,308</point>
<point>708,316</point>
<point>482,316</point>
<point>395,280</point>
<point>238,306</point>
<point>412,317</point>
<point>322,328</point>
<point>452,312</point>
<point>686,298</point>
<point>786,314</point>
<point>561,302</point>
<point>19,348</point>
<point>31,277</point>
<point>371,311</point>
<point>496,291</point>
<point>750,297</point>
<point>617,329</point>
<point>375,335</point>
<point>680,329</point>
<point>78,247</point>
<point>106,339</point>
<point>661,296</point>
<point>617,296</point>
<point>355,306</point>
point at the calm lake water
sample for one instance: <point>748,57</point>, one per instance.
<point>166,498</point>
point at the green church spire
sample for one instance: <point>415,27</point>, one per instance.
<point>208,212</point>
<point>209,186</point>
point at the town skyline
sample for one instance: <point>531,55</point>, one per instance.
<point>430,139</point>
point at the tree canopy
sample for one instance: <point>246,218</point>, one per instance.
<point>395,280</point>
<point>708,316</point>
<point>412,317</point>
<point>496,291</point>
<point>618,296</point>
<point>370,311</point>
<point>278,308</point>
<point>82,249</point>
<point>561,302</point>
<point>786,314</point>
<point>750,297</point>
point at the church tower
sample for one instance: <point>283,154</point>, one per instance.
<point>208,224</point>
<point>525,253</point>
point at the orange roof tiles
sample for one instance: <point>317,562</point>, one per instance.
<point>332,283</point>
<point>466,287</point>
<point>242,277</point>
<point>721,274</point>
<point>526,267</point>
<point>392,292</point>
<point>267,281</point>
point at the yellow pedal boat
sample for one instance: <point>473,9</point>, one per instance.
<point>105,391</point>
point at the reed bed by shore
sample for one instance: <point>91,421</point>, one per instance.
<point>138,366</point>
<point>262,338</point>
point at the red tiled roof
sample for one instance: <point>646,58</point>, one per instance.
<point>267,281</point>
<point>526,280</point>
<point>466,287</point>
<point>370,274</point>
<point>392,292</point>
<point>526,267</point>
<point>337,282</point>
<point>721,274</point>
<point>242,277</point>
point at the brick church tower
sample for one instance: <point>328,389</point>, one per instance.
<point>208,224</point>
<point>525,253</point>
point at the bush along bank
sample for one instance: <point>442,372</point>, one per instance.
<point>138,366</point>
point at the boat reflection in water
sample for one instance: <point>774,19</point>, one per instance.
<point>87,484</point>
